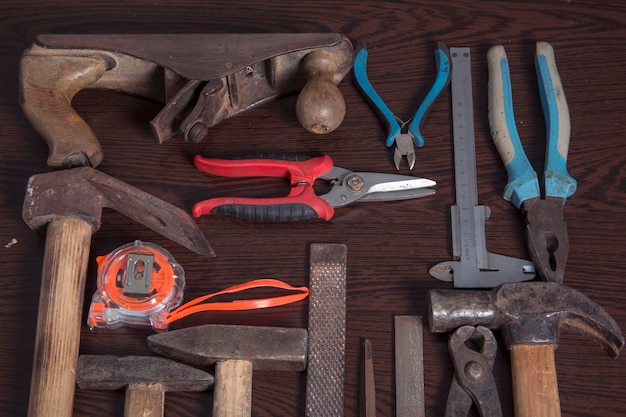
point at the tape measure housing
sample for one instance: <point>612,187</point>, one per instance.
<point>138,284</point>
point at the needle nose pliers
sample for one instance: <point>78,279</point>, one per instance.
<point>302,202</point>
<point>404,141</point>
<point>546,230</point>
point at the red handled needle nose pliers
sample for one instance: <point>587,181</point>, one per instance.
<point>302,202</point>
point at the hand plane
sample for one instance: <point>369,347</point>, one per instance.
<point>202,79</point>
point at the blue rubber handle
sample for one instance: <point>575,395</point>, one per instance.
<point>522,178</point>
<point>442,59</point>
<point>377,103</point>
<point>557,181</point>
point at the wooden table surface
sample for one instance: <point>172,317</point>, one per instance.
<point>392,245</point>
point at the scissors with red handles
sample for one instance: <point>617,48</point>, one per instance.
<point>302,202</point>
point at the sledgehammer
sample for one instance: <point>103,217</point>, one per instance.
<point>67,205</point>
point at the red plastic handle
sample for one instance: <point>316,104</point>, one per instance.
<point>301,203</point>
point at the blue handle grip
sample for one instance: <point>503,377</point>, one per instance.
<point>522,183</point>
<point>557,181</point>
<point>366,88</point>
<point>442,59</point>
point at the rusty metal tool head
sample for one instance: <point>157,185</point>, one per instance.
<point>201,78</point>
<point>235,351</point>
<point>84,192</point>
<point>473,351</point>
<point>145,378</point>
<point>67,205</point>
<point>529,316</point>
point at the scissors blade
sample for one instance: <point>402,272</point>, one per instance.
<point>349,187</point>
<point>390,187</point>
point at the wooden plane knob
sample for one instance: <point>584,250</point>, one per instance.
<point>320,107</point>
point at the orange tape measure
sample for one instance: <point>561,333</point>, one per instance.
<point>138,284</point>
<point>141,284</point>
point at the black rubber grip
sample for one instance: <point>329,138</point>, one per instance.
<point>268,213</point>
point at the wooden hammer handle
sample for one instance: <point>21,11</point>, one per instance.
<point>47,86</point>
<point>57,341</point>
<point>535,390</point>
<point>144,400</point>
<point>232,392</point>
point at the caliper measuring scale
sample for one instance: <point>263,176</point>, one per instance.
<point>473,266</point>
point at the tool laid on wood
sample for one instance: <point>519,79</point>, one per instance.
<point>141,284</point>
<point>302,202</point>
<point>404,142</point>
<point>368,383</point>
<point>529,315</point>
<point>409,370</point>
<point>546,231</point>
<point>138,284</point>
<point>473,351</point>
<point>235,351</point>
<point>145,378</point>
<point>67,205</point>
<point>409,366</point>
<point>201,78</point>
<point>473,266</point>
<point>327,330</point>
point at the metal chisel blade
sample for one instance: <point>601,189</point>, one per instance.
<point>473,266</point>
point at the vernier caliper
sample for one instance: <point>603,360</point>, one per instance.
<point>473,266</point>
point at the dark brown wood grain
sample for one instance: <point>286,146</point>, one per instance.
<point>391,245</point>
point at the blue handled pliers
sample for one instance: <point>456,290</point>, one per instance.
<point>546,230</point>
<point>404,141</point>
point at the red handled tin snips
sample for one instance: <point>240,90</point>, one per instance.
<point>302,202</point>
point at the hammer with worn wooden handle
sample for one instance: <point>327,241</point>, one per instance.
<point>67,205</point>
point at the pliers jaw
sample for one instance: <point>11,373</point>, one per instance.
<point>546,234</point>
<point>473,351</point>
<point>404,148</point>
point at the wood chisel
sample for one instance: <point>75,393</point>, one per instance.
<point>473,266</point>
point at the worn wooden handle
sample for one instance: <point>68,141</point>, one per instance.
<point>146,400</point>
<point>320,107</point>
<point>48,84</point>
<point>58,327</point>
<point>535,390</point>
<point>232,395</point>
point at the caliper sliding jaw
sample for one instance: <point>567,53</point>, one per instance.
<point>473,266</point>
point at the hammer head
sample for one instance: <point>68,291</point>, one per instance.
<point>267,348</point>
<point>101,372</point>
<point>526,313</point>
<point>83,192</point>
